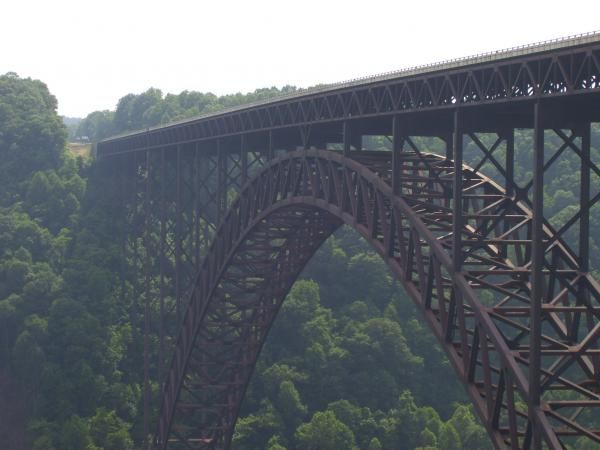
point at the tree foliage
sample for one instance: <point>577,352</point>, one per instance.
<point>152,107</point>
<point>33,135</point>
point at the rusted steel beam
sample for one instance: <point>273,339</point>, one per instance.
<point>537,278</point>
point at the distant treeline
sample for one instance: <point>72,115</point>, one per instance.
<point>135,112</point>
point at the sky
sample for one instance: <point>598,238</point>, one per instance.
<point>90,53</point>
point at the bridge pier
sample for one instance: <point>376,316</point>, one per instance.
<point>537,265</point>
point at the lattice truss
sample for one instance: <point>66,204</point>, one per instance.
<point>566,71</point>
<point>471,278</point>
<point>172,202</point>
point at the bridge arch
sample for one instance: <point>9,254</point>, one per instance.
<point>281,218</point>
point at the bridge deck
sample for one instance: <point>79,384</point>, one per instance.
<point>539,61</point>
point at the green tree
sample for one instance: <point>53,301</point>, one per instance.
<point>32,135</point>
<point>427,438</point>
<point>109,432</point>
<point>374,444</point>
<point>29,358</point>
<point>449,438</point>
<point>290,406</point>
<point>325,432</point>
<point>75,435</point>
<point>472,435</point>
<point>96,126</point>
<point>253,431</point>
<point>274,444</point>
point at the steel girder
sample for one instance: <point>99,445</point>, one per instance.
<point>561,73</point>
<point>532,378</point>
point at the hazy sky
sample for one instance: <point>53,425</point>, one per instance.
<point>92,52</point>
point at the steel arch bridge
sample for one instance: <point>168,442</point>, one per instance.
<point>224,211</point>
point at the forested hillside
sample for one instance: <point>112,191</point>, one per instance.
<point>64,337</point>
<point>348,364</point>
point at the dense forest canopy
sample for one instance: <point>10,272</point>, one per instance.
<point>348,364</point>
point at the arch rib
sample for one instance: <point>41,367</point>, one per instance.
<point>283,215</point>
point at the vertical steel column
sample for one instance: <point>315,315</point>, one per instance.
<point>457,228</point>
<point>584,222</point>
<point>178,236</point>
<point>305,137</point>
<point>221,180</point>
<point>397,145</point>
<point>509,182</point>
<point>457,208</point>
<point>271,146</point>
<point>135,190</point>
<point>346,137</point>
<point>244,158</point>
<point>537,263</point>
<point>147,263</point>
<point>122,171</point>
<point>195,202</point>
<point>448,139</point>
<point>135,193</point>
<point>584,199</point>
<point>162,255</point>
